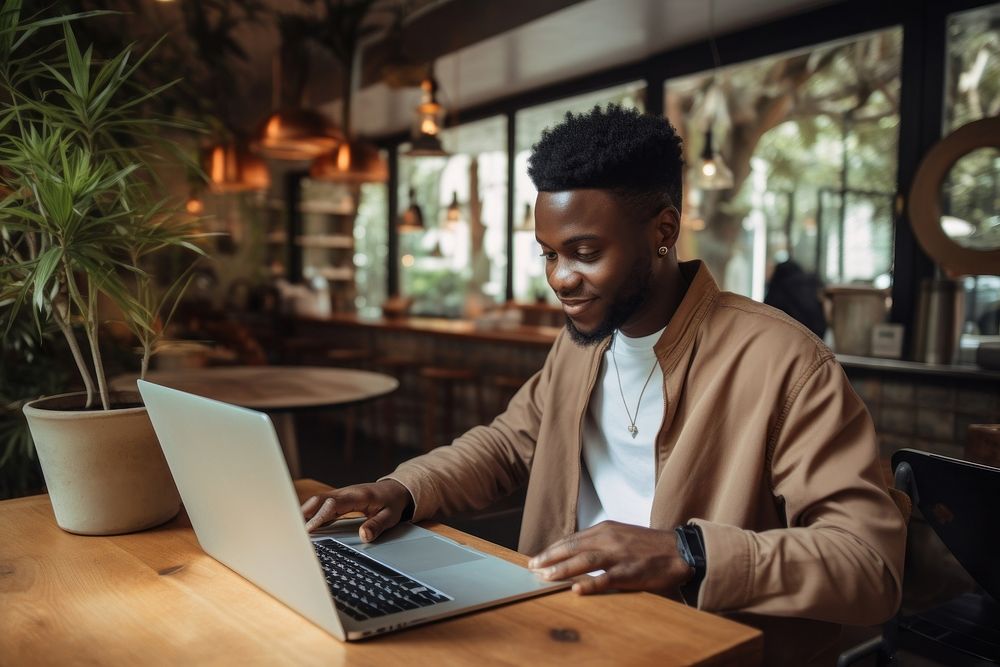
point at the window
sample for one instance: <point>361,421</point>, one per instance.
<point>456,265</point>
<point>371,248</point>
<point>529,271</point>
<point>971,196</point>
<point>811,140</point>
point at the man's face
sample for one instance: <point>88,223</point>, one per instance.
<point>598,261</point>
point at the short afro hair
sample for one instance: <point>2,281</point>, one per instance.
<point>636,156</point>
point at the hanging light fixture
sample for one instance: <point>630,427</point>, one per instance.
<point>713,172</point>
<point>453,214</point>
<point>296,134</point>
<point>231,167</point>
<point>527,223</point>
<point>412,219</point>
<point>292,132</point>
<point>354,160</point>
<point>428,123</point>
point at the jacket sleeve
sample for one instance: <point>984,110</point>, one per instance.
<point>840,558</point>
<point>484,464</point>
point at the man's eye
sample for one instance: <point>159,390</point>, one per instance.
<point>587,255</point>
<point>549,256</point>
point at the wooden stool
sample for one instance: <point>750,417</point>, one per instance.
<point>397,407</point>
<point>436,379</point>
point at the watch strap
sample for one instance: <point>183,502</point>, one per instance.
<point>691,548</point>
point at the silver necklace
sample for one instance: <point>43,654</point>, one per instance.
<point>632,428</point>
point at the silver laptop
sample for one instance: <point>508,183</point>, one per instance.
<point>234,483</point>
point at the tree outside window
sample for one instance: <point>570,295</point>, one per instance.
<point>811,140</point>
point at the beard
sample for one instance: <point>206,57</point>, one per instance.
<point>633,294</point>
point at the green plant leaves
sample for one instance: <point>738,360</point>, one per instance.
<point>78,211</point>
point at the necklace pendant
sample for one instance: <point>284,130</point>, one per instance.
<point>634,430</point>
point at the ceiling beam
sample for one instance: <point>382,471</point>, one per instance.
<point>451,26</point>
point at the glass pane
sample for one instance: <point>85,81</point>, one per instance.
<point>969,196</point>
<point>810,139</point>
<point>456,265</point>
<point>371,249</point>
<point>529,271</point>
<point>970,200</point>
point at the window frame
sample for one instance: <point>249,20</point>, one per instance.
<point>921,112</point>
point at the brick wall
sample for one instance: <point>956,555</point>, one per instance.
<point>927,412</point>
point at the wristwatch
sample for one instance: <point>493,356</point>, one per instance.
<point>691,548</point>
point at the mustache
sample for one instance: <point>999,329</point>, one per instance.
<point>575,294</point>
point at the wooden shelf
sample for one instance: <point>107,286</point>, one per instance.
<point>342,241</point>
<point>337,273</point>
<point>342,207</point>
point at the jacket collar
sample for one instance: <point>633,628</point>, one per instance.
<point>678,338</point>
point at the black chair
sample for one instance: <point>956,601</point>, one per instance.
<point>960,501</point>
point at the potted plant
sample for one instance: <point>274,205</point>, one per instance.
<point>78,218</point>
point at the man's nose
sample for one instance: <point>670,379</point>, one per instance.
<point>563,279</point>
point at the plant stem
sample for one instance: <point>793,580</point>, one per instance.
<point>74,347</point>
<point>95,349</point>
<point>75,298</point>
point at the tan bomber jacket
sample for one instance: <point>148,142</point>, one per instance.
<point>764,445</point>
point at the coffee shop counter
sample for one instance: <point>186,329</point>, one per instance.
<point>912,404</point>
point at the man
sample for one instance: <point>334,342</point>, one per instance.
<point>678,439</point>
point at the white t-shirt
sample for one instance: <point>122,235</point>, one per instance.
<point>619,472</point>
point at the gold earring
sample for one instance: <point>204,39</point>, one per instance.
<point>661,251</point>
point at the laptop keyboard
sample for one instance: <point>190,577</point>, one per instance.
<point>363,588</point>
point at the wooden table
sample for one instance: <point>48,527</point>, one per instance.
<point>154,598</point>
<point>278,390</point>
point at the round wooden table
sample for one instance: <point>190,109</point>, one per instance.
<point>278,390</point>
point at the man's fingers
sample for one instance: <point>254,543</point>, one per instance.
<point>575,565</point>
<point>591,538</point>
<point>310,506</point>
<point>374,526</point>
<point>327,512</point>
<point>586,585</point>
<point>330,506</point>
<point>557,552</point>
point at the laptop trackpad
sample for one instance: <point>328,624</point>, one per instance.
<point>423,553</point>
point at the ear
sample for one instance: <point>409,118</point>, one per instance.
<point>667,227</point>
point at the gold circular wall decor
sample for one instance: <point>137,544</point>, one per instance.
<point>925,199</point>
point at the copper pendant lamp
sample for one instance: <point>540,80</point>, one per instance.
<point>296,134</point>
<point>293,132</point>
<point>354,161</point>
<point>231,167</point>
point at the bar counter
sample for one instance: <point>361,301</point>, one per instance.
<point>525,334</point>
<point>912,404</point>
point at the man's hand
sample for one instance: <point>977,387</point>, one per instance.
<point>632,557</point>
<point>382,502</point>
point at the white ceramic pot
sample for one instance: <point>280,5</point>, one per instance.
<point>104,469</point>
